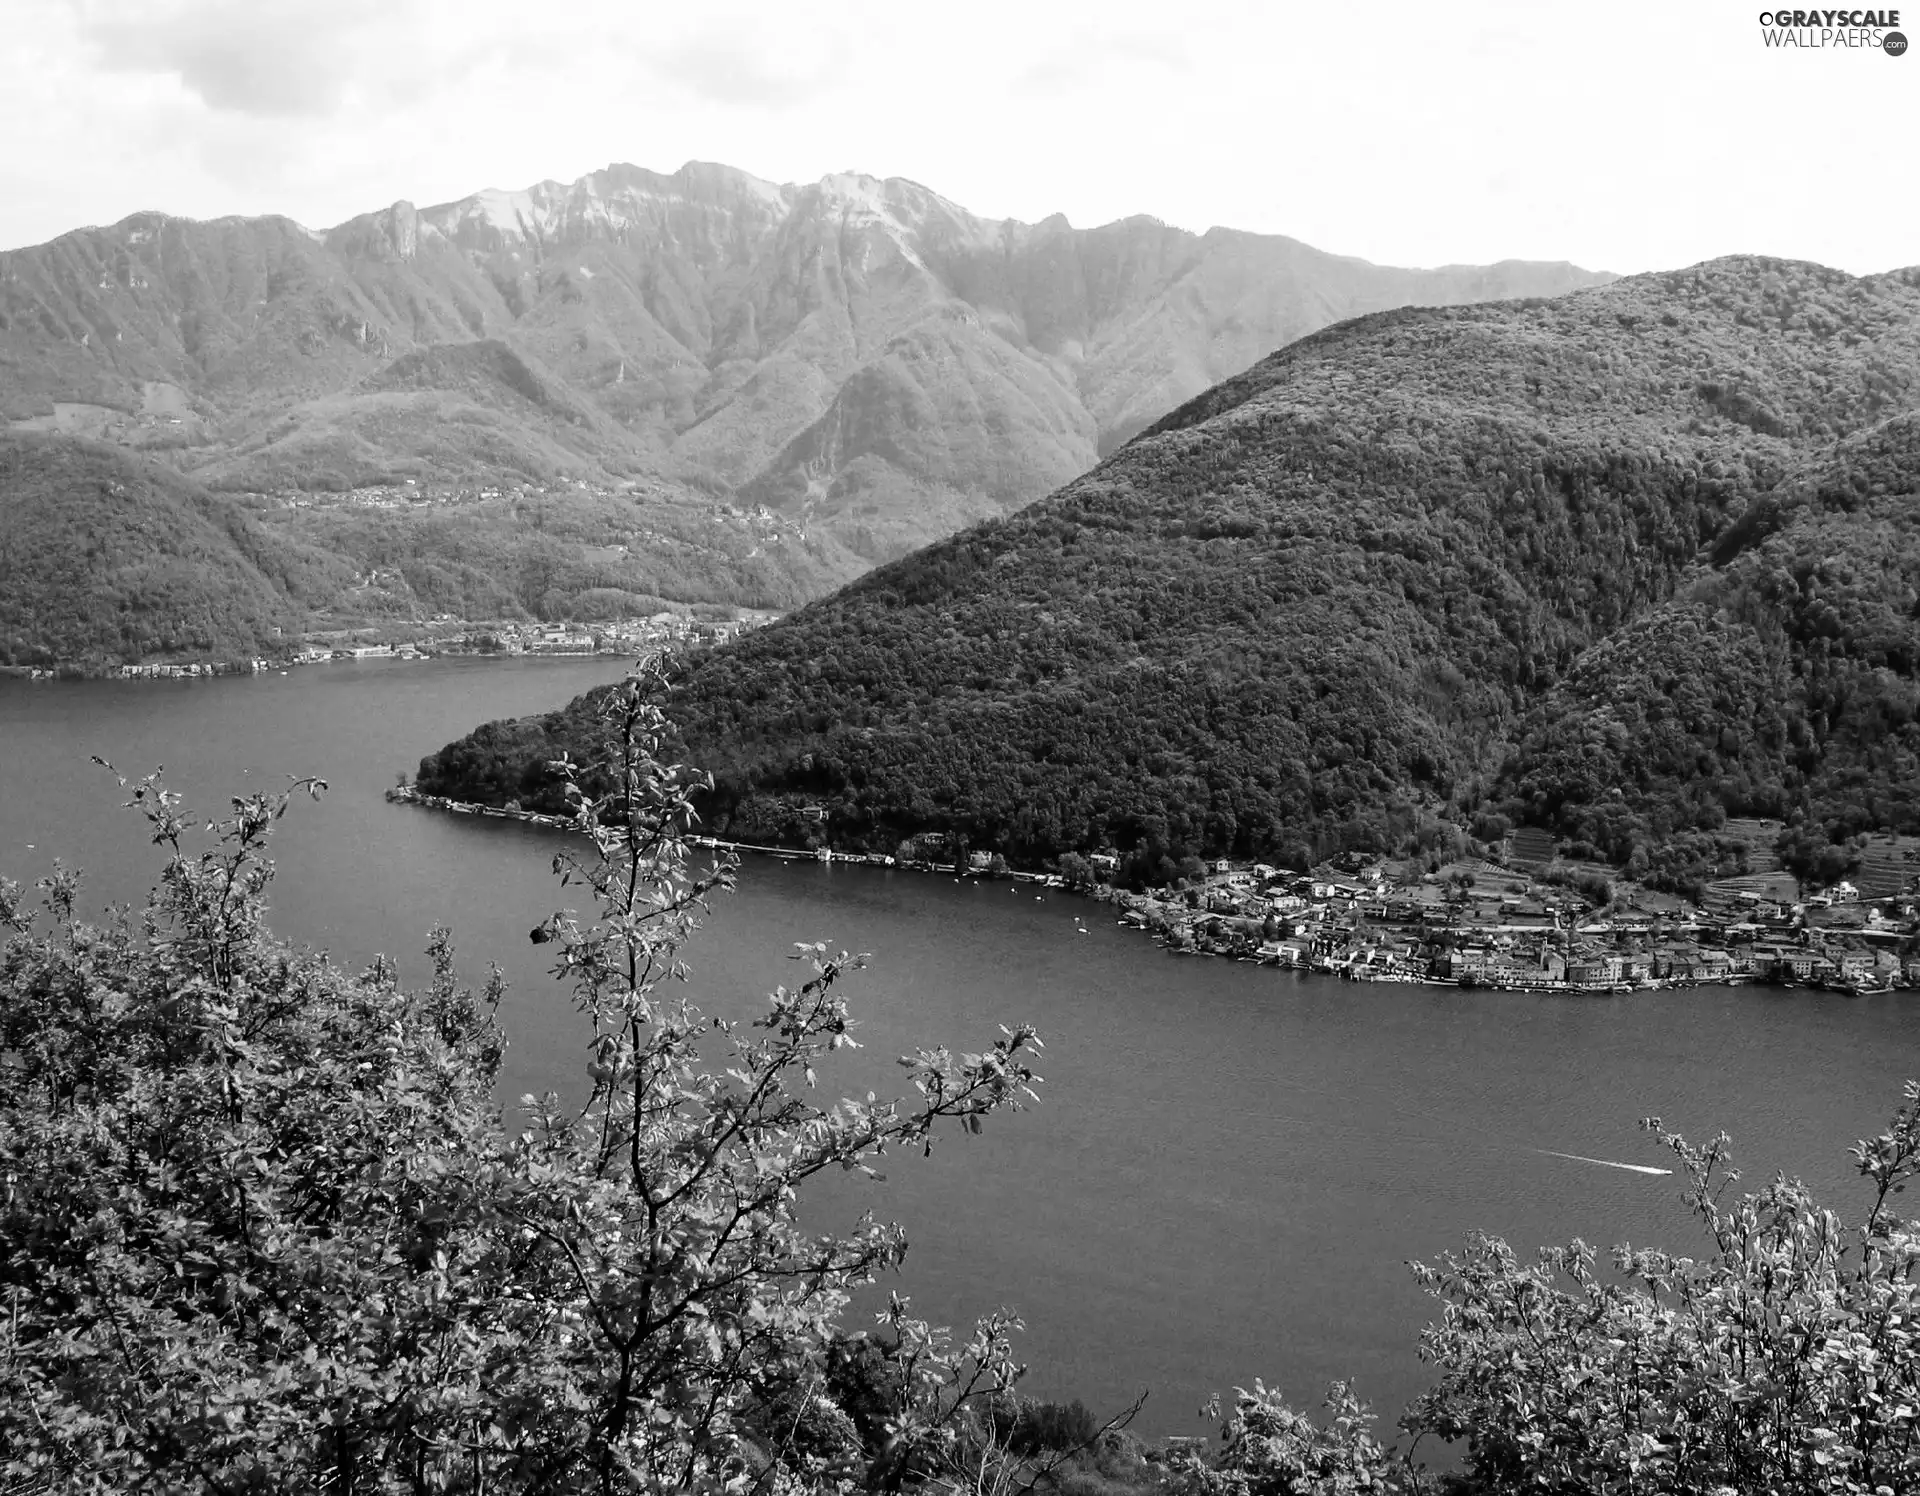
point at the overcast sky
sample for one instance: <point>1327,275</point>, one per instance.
<point>1622,136</point>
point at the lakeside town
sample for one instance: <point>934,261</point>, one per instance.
<point>1510,924</point>
<point>457,637</point>
<point>1481,923</point>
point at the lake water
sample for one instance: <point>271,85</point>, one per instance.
<point>1231,1165</point>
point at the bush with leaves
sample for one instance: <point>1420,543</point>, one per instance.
<point>1785,1359</point>
<point>1270,1449</point>
<point>264,1229</point>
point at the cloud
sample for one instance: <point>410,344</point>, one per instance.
<point>277,58</point>
<point>718,69</point>
<point>762,57</point>
<point>1093,58</point>
<point>1277,118</point>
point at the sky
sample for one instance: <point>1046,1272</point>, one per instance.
<point>1621,136</point>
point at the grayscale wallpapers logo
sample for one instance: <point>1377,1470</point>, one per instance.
<point>1819,30</point>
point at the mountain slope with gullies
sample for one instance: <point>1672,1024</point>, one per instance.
<point>1394,576</point>
<point>876,361</point>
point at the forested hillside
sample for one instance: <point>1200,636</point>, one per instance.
<point>1619,563</point>
<point>108,557</point>
<point>457,412</point>
<point>1779,681</point>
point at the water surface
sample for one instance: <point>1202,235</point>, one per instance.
<point>1231,1164</point>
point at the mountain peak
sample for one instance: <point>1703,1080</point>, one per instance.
<point>863,350</point>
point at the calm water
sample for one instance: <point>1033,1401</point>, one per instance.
<point>1231,1165</point>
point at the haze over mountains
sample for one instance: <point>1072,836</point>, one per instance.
<point>1621,564</point>
<point>862,356</point>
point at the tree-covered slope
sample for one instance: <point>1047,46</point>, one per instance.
<point>107,558</point>
<point>1318,605</point>
<point>1780,681</point>
<point>454,411</point>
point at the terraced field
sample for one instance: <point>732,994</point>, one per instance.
<point>1781,887</point>
<point>1759,835</point>
<point>1888,865</point>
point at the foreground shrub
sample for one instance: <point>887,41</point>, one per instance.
<point>1784,1359</point>
<point>264,1229</point>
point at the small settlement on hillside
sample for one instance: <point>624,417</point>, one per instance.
<point>1482,924</point>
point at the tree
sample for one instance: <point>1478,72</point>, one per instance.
<point>1076,870</point>
<point>265,1231</point>
<point>1270,1449</point>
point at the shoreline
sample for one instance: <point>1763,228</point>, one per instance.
<point>224,669</point>
<point>408,795</point>
<point>456,639</point>
<point>1134,915</point>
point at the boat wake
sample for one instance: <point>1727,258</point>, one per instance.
<point>1605,1163</point>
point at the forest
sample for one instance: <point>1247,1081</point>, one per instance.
<point>108,557</point>
<point>1619,564</point>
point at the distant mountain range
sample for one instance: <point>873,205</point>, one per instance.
<point>861,356</point>
<point>1620,565</point>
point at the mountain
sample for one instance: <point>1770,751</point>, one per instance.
<point>1620,564</point>
<point>459,411</point>
<point>864,356</point>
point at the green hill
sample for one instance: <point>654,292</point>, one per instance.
<point>108,558</point>
<point>457,412</point>
<point>1780,680</point>
<point>1414,565</point>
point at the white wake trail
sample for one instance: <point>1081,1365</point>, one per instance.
<point>1605,1163</point>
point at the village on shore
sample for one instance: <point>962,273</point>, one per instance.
<point>1480,923</point>
<point>448,636</point>
<point>1475,922</point>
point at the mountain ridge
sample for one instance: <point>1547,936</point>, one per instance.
<point>710,317</point>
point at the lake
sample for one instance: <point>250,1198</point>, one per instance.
<point>1231,1164</point>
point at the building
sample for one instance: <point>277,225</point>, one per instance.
<point>1594,971</point>
<point>1786,963</point>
